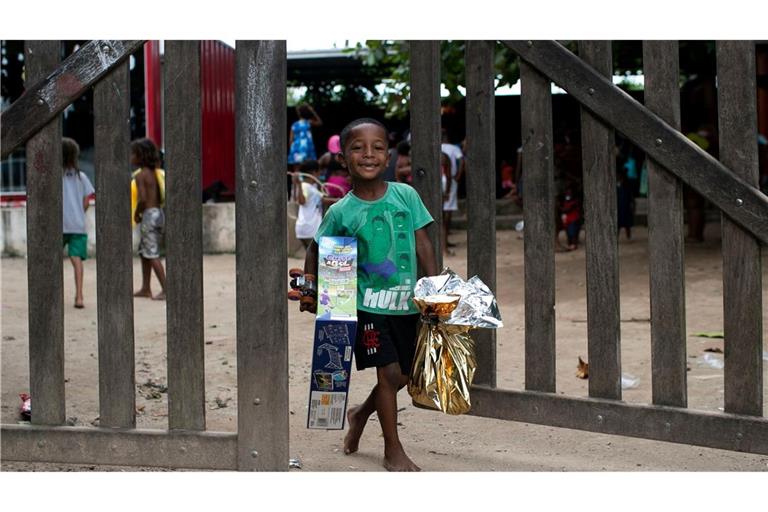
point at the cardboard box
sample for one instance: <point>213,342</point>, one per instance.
<point>335,328</point>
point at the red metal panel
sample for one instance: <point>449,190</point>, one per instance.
<point>153,92</point>
<point>217,68</point>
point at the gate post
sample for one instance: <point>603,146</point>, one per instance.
<point>481,190</point>
<point>666,248</point>
<point>44,235</point>
<point>425,134</point>
<point>602,247</point>
<point>261,235</point>
<point>742,276</point>
<point>114,263</point>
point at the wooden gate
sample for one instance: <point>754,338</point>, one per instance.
<point>730,184</point>
<point>261,441</point>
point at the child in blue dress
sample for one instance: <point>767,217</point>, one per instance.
<point>301,144</point>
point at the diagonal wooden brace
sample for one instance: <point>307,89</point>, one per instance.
<point>743,203</point>
<point>48,97</point>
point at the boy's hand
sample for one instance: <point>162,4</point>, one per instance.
<point>308,304</point>
<point>304,289</point>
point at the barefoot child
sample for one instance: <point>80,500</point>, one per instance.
<point>388,219</point>
<point>77,190</point>
<point>149,214</point>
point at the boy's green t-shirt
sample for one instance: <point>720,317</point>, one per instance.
<point>386,245</point>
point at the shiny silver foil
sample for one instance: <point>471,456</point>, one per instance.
<point>445,362</point>
<point>477,306</point>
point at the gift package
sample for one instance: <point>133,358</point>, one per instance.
<point>444,363</point>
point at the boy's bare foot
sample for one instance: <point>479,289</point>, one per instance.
<point>143,293</point>
<point>159,296</point>
<point>356,426</point>
<point>399,461</point>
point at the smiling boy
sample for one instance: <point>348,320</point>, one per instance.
<point>389,220</point>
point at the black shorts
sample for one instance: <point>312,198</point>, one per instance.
<point>385,339</point>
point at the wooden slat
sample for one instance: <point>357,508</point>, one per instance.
<point>184,236</point>
<point>155,448</point>
<point>725,431</point>
<point>602,251</point>
<point>44,260</point>
<point>742,275</point>
<point>261,230</point>
<point>481,190</point>
<point>425,133</point>
<point>114,265</point>
<point>539,234</point>
<point>742,202</point>
<point>53,90</point>
<point>666,247</point>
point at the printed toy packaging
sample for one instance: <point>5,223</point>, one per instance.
<point>334,332</point>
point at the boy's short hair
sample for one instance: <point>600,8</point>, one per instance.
<point>357,122</point>
<point>70,153</point>
<point>309,166</point>
<point>403,148</point>
<point>146,153</point>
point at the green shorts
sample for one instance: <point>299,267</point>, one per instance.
<point>78,244</point>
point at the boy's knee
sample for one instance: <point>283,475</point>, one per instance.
<point>390,375</point>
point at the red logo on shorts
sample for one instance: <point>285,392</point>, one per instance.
<point>370,339</point>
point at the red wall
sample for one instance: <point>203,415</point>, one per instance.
<point>153,92</point>
<point>217,97</point>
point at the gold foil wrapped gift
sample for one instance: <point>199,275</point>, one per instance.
<point>445,362</point>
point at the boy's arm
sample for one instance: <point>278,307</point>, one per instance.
<point>424,252</point>
<point>141,196</point>
<point>299,190</point>
<point>327,200</point>
<point>315,121</point>
<point>462,169</point>
<point>310,267</point>
<point>448,184</point>
<point>87,192</point>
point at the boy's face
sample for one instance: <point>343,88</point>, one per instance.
<point>366,152</point>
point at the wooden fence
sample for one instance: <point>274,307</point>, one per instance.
<point>261,440</point>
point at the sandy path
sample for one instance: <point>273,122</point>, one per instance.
<point>434,441</point>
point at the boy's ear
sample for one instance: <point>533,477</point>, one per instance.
<point>340,159</point>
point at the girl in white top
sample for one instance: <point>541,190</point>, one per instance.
<point>311,201</point>
<point>76,192</point>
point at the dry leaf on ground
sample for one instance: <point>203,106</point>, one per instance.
<point>582,369</point>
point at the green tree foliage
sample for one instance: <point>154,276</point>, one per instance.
<point>390,60</point>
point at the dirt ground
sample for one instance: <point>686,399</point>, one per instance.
<point>436,442</point>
